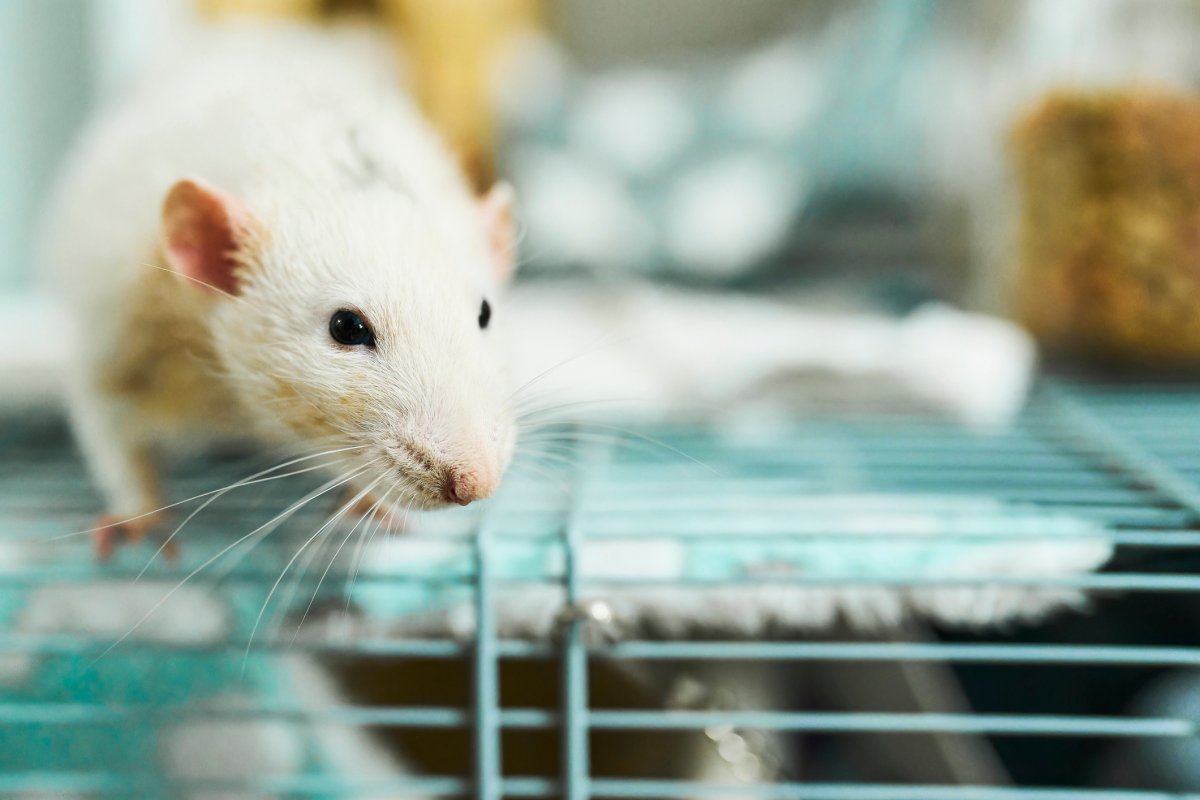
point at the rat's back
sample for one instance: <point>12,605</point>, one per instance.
<point>245,107</point>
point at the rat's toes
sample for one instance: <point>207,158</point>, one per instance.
<point>111,530</point>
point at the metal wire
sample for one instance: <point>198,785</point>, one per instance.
<point>1124,458</point>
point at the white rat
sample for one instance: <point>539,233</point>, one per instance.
<point>265,239</point>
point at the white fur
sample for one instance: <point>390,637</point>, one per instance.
<point>283,120</point>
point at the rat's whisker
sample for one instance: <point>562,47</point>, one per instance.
<point>297,579</point>
<point>588,349</point>
<point>641,436</point>
<point>542,471</point>
<point>336,553</point>
<point>194,279</point>
<point>566,445</point>
<point>375,519</point>
<point>576,439</point>
<point>537,412</point>
<point>553,461</point>
<point>349,500</point>
<point>315,553</point>
<point>563,448</point>
<point>230,564</point>
<point>366,538</point>
<point>345,507</point>
<point>236,484</point>
<point>226,568</point>
<point>555,464</point>
<point>282,515</point>
<point>630,440</point>
<point>247,482</point>
<point>530,398</point>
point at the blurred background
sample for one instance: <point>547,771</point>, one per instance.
<point>765,145</point>
<point>1036,161</point>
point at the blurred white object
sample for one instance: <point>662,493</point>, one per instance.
<point>664,352</point>
<point>727,215</point>
<point>578,214</point>
<point>974,366</point>
<point>672,353</point>
<point>774,94</point>
<point>879,537</point>
<point>531,80</point>
<point>231,750</point>
<point>639,120</point>
<point>637,169</point>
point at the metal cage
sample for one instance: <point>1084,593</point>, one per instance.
<point>1048,707</point>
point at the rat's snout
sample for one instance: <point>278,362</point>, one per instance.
<point>464,486</point>
<point>445,474</point>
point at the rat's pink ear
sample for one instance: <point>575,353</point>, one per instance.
<point>499,226</point>
<point>201,231</point>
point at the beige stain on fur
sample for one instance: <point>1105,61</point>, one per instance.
<point>167,365</point>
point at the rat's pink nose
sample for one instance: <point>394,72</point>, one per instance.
<point>465,486</point>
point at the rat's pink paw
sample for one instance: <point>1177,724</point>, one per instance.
<point>112,530</point>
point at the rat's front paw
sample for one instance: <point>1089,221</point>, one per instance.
<point>112,530</point>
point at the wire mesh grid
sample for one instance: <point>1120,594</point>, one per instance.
<point>1036,699</point>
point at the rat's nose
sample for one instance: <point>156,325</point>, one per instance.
<point>465,486</point>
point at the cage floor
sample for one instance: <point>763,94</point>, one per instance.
<point>734,658</point>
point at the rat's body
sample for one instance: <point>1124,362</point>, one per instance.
<point>286,180</point>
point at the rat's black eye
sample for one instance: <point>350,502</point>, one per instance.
<point>485,314</point>
<point>350,329</point>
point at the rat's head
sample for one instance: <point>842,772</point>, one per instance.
<point>363,322</point>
